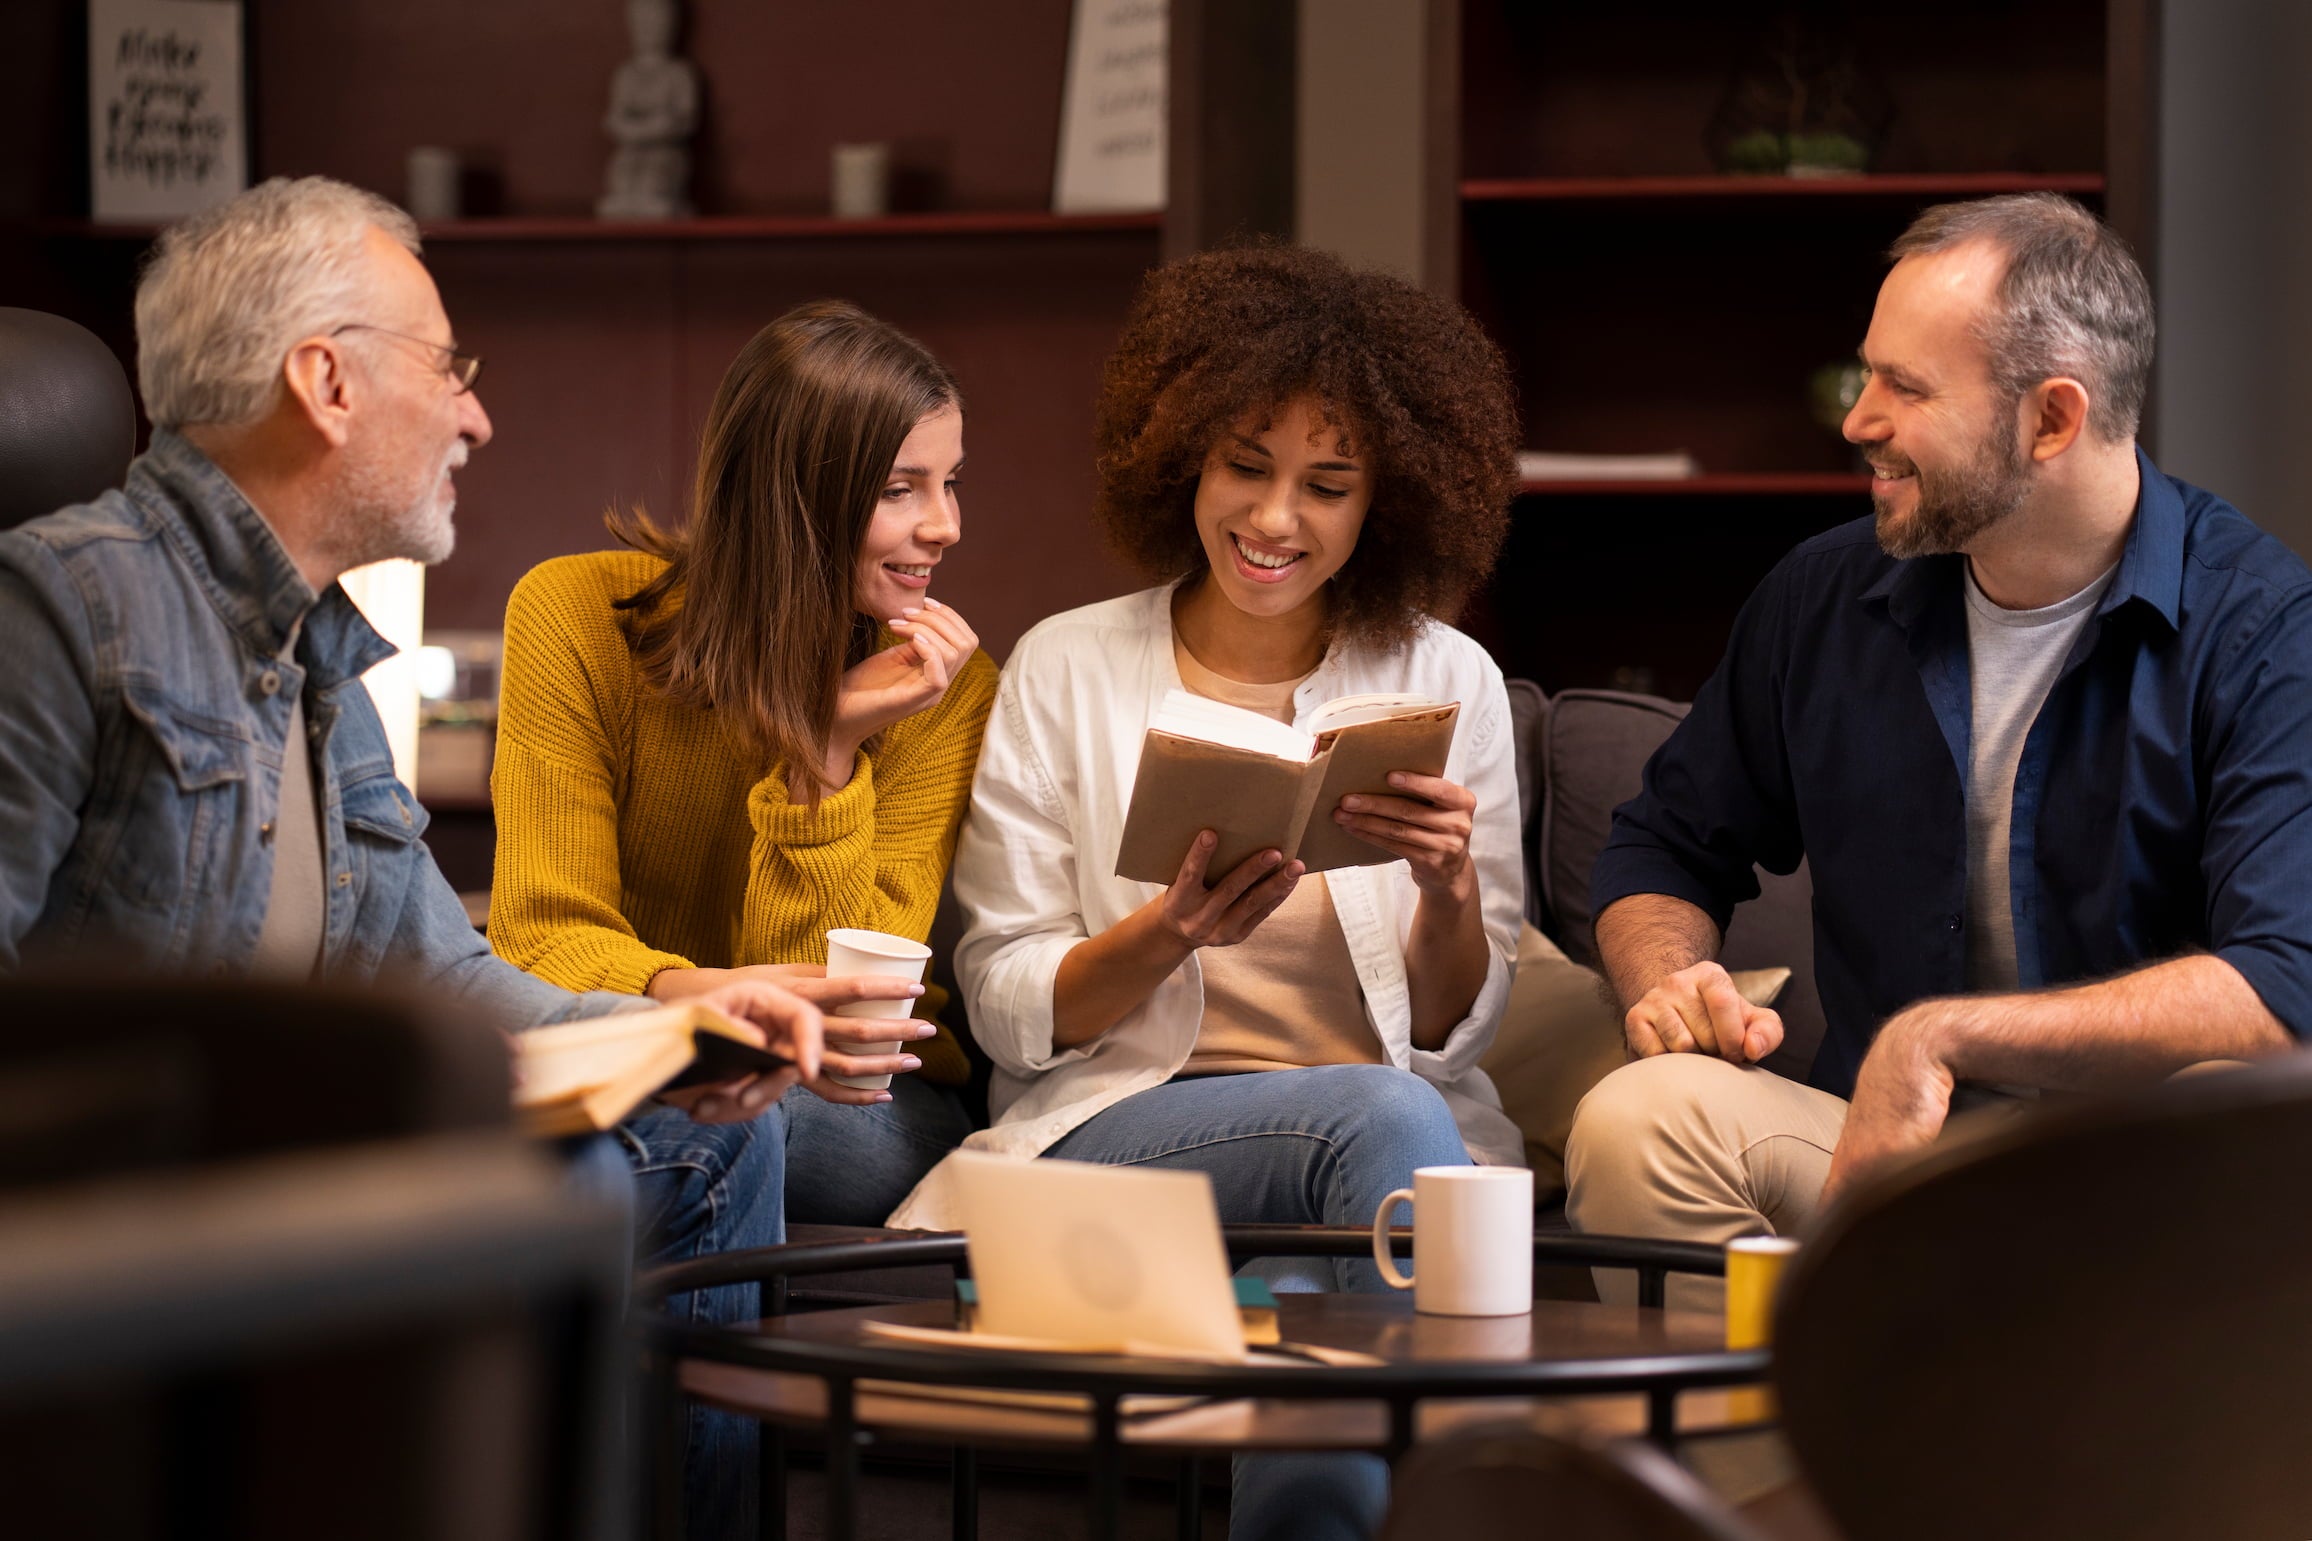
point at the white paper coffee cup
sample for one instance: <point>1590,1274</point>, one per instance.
<point>879,954</point>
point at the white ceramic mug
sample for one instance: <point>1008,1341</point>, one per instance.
<point>853,952</point>
<point>1472,1240</point>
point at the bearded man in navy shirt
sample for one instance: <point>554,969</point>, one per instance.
<point>2042,729</point>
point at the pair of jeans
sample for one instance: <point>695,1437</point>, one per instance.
<point>707,1188</point>
<point>1320,1146</point>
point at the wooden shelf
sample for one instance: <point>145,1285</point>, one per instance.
<point>1712,484</point>
<point>723,227</point>
<point>1958,184</point>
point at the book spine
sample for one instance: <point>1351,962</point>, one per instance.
<point>1304,808</point>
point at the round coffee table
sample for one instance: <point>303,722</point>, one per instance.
<point>1394,1375</point>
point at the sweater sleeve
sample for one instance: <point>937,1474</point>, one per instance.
<point>873,854</point>
<point>555,897</point>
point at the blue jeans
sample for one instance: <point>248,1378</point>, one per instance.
<point>1321,1146</point>
<point>707,1188</point>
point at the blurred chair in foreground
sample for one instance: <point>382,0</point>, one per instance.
<point>273,1264</point>
<point>2085,1321</point>
<point>67,420</point>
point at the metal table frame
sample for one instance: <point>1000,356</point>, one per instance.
<point>1105,1381</point>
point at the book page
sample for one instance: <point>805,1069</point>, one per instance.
<point>1360,761</point>
<point>1348,711</point>
<point>1185,714</point>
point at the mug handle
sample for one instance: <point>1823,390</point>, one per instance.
<point>1381,1258</point>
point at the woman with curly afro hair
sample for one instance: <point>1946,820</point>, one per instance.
<point>1314,464</point>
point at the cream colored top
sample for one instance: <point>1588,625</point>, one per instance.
<point>1035,874</point>
<point>1287,995</point>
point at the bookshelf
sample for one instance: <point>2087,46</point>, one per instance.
<point>724,227</point>
<point>1649,301</point>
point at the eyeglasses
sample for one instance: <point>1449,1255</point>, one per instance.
<point>463,368</point>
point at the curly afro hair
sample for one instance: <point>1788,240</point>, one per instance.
<point>1406,377</point>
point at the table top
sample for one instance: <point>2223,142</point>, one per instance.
<point>1385,1326</point>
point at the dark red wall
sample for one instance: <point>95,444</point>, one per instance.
<point>603,355</point>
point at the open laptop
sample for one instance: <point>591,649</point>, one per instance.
<point>1097,1257</point>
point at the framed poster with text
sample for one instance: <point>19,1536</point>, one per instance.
<point>1112,122</point>
<point>167,121</point>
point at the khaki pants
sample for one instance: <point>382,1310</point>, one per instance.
<point>1687,1147</point>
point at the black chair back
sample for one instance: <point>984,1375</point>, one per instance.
<point>67,420</point>
<point>2087,1323</point>
<point>101,1076</point>
<point>1513,1484</point>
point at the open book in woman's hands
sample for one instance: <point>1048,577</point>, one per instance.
<point>1260,784</point>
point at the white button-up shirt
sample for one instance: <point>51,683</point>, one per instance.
<point>1035,872</point>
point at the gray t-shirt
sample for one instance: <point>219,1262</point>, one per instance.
<point>2014,657</point>
<point>289,942</point>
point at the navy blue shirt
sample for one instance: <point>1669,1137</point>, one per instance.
<point>2163,804</point>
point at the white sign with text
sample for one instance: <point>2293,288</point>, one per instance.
<point>1112,122</point>
<point>167,134</point>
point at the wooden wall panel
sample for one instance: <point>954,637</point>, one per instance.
<point>603,360</point>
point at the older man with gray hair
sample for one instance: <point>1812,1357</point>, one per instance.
<point>2042,728</point>
<point>192,777</point>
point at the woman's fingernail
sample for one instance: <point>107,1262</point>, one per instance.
<point>1340,817</point>
<point>932,604</point>
<point>708,1107</point>
<point>1207,839</point>
<point>910,1062</point>
<point>912,610</point>
<point>1397,778</point>
<point>1352,802</point>
<point>1271,858</point>
<point>915,989</point>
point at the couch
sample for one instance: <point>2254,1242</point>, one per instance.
<point>1580,753</point>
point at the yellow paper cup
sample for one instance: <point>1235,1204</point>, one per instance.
<point>1754,1268</point>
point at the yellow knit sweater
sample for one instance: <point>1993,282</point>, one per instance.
<point>632,838</point>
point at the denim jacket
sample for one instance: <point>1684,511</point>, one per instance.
<point>143,710</point>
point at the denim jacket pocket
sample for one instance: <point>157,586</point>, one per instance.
<point>202,752</point>
<point>186,773</point>
<point>378,805</point>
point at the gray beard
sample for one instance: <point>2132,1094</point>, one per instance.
<point>385,519</point>
<point>1958,505</point>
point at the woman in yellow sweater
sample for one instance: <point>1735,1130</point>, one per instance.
<point>719,744</point>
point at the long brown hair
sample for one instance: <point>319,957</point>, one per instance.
<point>753,617</point>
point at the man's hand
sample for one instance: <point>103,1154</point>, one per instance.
<point>842,1034</point>
<point>1902,1095</point>
<point>1697,1010</point>
<point>784,1023</point>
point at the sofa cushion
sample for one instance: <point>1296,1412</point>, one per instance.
<point>1581,754</point>
<point>1558,1038</point>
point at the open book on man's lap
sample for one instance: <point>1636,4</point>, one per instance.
<point>1261,784</point>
